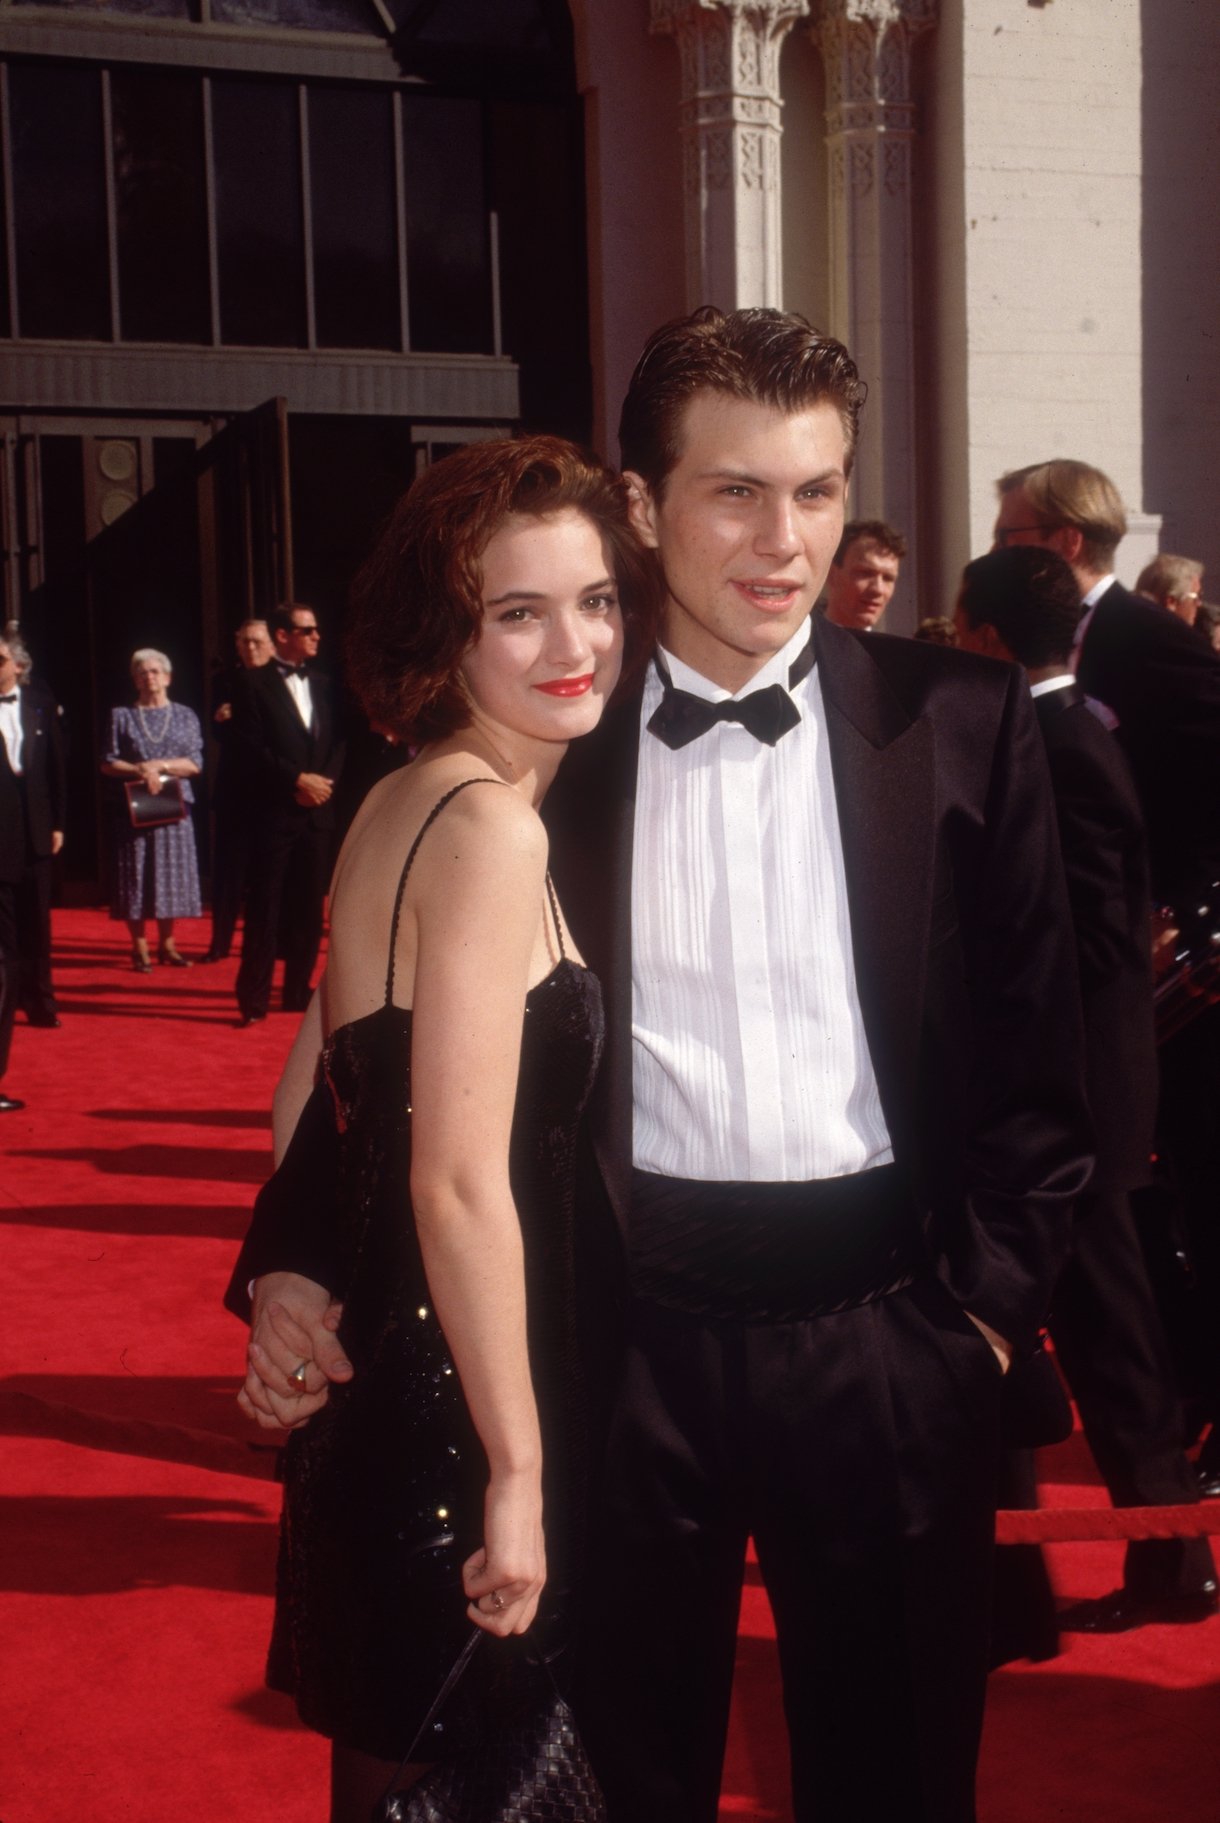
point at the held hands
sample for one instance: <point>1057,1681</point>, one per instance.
<point>293,1326</point>
<point>313,789</point>
<point>150,773</point>
<point>504,1580</point>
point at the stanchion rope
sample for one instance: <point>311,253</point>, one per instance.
<point>1082,1525</point>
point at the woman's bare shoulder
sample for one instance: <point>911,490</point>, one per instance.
<point>486,829</point>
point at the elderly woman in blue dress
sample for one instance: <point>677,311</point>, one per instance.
<point>154,871</point>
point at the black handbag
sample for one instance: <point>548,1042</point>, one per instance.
<point>527,1767</point>
<point>151,809</point>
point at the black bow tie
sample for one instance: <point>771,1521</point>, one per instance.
<point>10,699</point>
<point>292,670</point>
<point>768,713</point>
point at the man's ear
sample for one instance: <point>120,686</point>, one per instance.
<point>990,644</point>
<point>1068,540</point>
<point>641,507</point>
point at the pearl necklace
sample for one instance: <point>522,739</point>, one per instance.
<point>155,741</point>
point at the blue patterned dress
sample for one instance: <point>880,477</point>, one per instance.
<point>154,872</point>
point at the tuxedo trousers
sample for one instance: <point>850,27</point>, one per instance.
<point>287,887</point>
<point>1112,1348</point>
<point>859,1450</point>
<point>232,854</point>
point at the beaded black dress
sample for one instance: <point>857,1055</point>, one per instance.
<point>383,1488</point>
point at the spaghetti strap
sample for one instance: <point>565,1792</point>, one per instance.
<point>550,893</point>
<point>406,868</point>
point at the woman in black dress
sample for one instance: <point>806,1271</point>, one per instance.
<point>457,1035</point>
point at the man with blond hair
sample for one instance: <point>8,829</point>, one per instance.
<point>1175,582</point>
<point>1158,681</point>
<point>1161,684</point>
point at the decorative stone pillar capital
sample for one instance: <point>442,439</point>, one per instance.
<point>866,48</point>
<point>730,128</point>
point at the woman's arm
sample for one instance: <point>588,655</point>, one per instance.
<point>299,1074</point>
<point>113,765</point>
<point>293,1319</point>
<point>478,900</point>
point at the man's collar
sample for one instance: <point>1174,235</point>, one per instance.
<point>1064,680</point>
<point>1098,590</point>
<point>775,671</point>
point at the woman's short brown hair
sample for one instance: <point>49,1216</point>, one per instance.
<point>416,605</point>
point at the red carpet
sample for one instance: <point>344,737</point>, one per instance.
<point>139,1525</point>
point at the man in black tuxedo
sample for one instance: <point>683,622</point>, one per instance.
<point>1161,685</point>
<point>837,1128</point>
<point>1158,679</point>
<point>284,720</point>
<point>32,804</point>
<point>1023,605</point>
<point>839,1123</point>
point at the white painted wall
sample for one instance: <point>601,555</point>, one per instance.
<point>1033,220</point>
<point>1050,239</point>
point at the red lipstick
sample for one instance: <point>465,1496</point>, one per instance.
<point>567,686</point>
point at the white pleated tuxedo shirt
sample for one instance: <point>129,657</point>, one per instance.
<point>302,696</point>
<point>11,731</point>
<point>750,1061</point>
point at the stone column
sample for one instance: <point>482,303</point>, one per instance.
<point>870,120</point>
<point>730,133</point>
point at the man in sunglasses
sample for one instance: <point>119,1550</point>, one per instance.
<point>285,722</point>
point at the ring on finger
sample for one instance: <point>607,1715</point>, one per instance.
<point>297,1377</point>
<point>497,1602</point>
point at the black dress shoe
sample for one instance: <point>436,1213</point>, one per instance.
<point>10,1105</point>
<point>1120,1611</point>
<point>249,1019</point>
<point>215,955</point>
<point>1209,1482</point>
<point>45,1020</point>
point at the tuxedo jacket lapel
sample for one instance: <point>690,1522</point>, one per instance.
<point>883,763</point>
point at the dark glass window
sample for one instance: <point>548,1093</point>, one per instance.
<point>509,48</point>
<point>507,23</point>
<point>161,211</point>
<point>152,9</point>
<point>59,201</point>
<point>355,230</point>
<point>303,15</point>
<point>448,256</point>
<point>259,228</point>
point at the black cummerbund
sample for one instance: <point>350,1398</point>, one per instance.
<point>773,1253</point>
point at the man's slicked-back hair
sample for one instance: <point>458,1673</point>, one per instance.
<point>1065,492</point>
<point>1031,598</point>
<point>772,357</point>
<point>280,618</point>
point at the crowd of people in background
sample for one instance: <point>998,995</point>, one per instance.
<point>1126,686</point>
